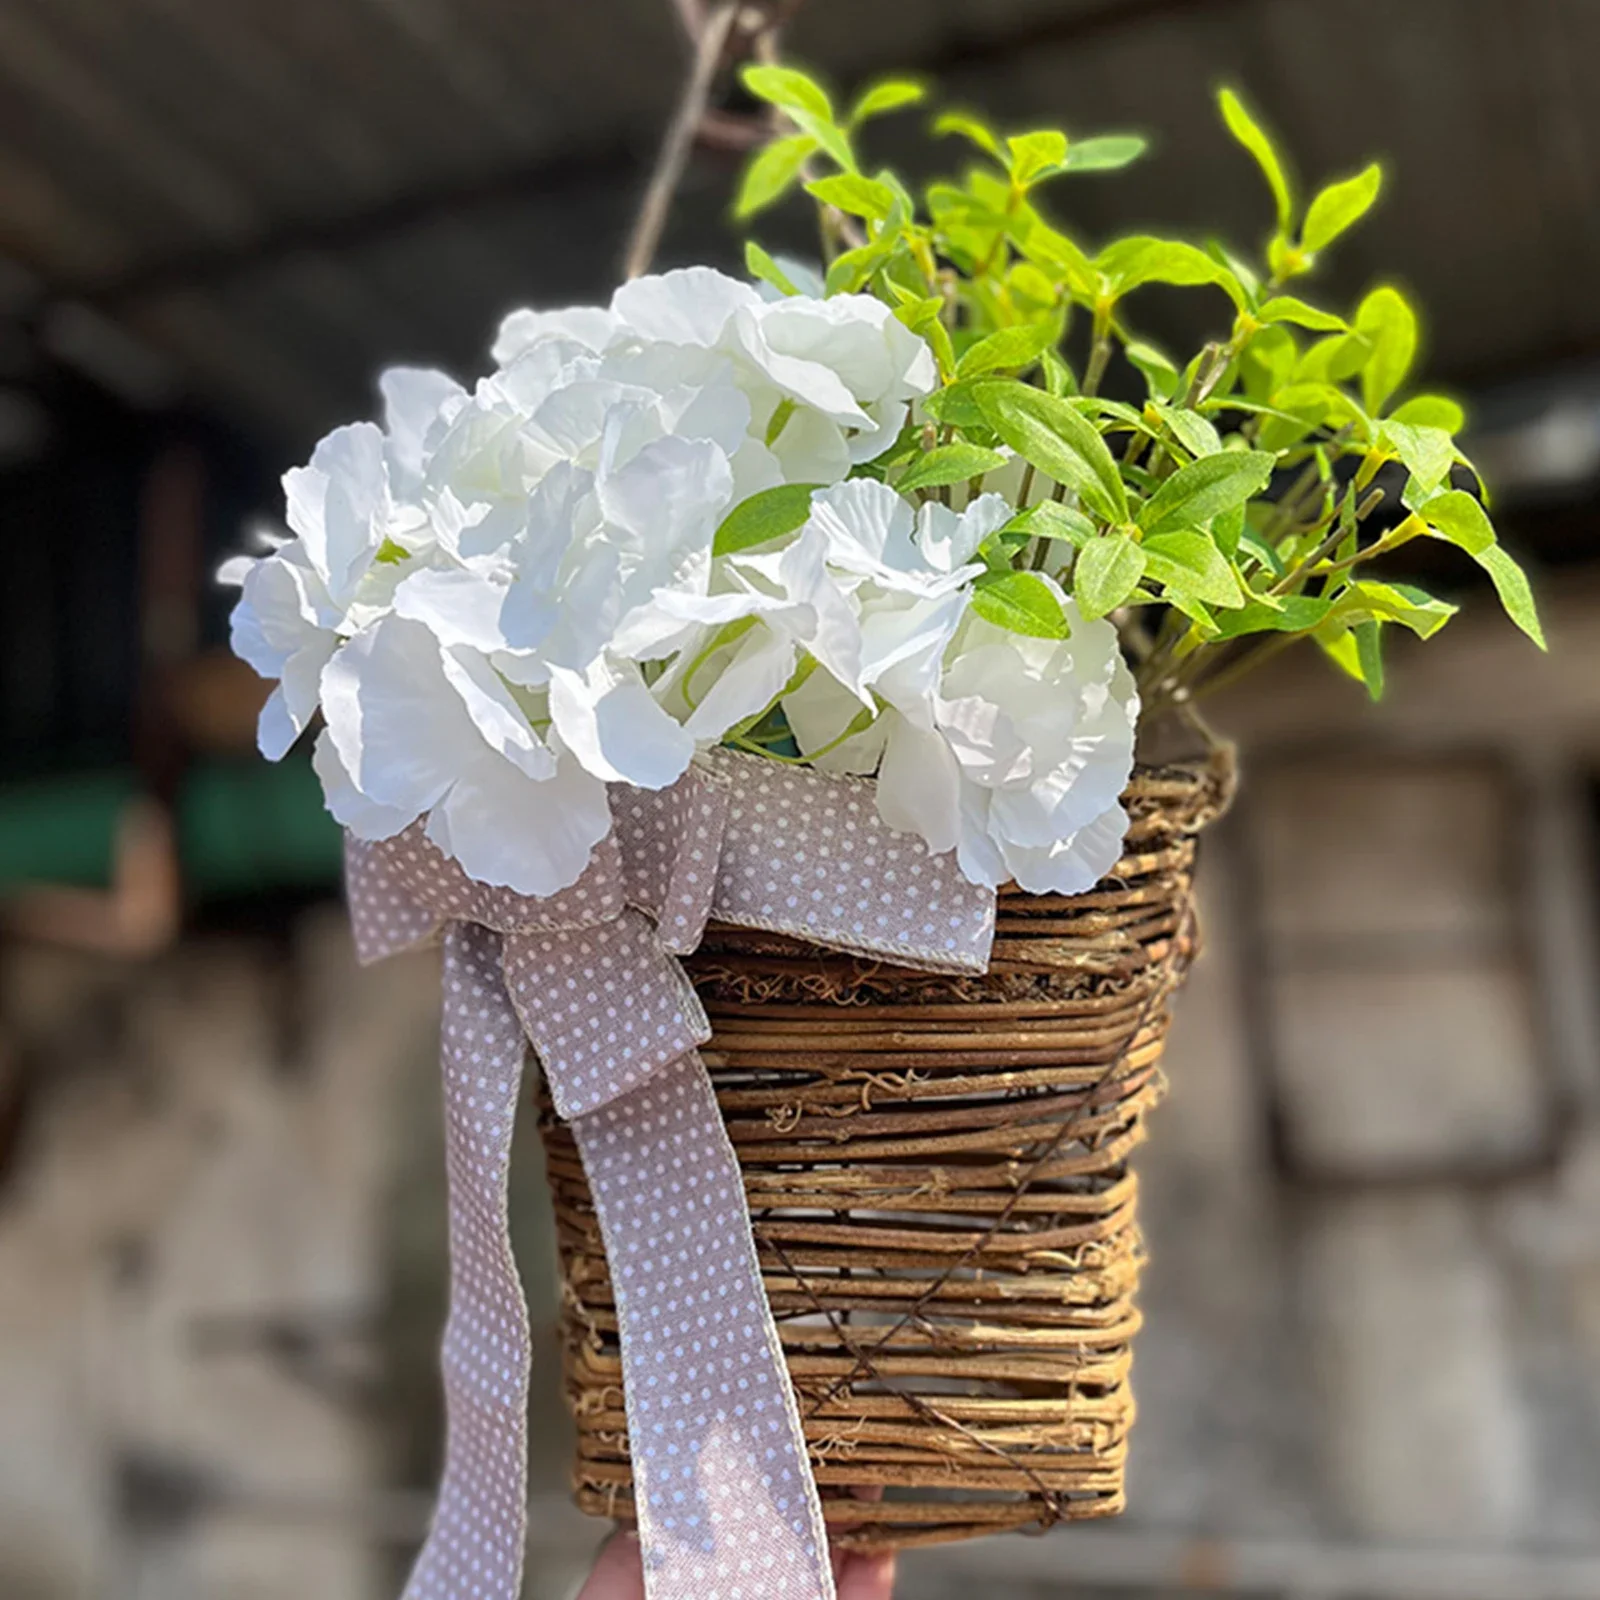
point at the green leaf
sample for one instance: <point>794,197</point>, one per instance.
<point>1052,520</point>
<point>1511,584</point>
<point>760,265</point>
<point>956,405</point>
<point>1141,259</point>
<point>850,192</point>
<point>1339,206</point>
<point>1411,607</point>
<point>1058,439</point>
<point>1294,613</point>
<point>1190,564</point>
<point>1160,374</point>
<point>968,127</point>
<point>1058,378</point>
<point>1286,308</point>
<point>771,172</point>
<point>1206,487</point>
<point>1197,434</point>
<point>788,88</point>
<point>892,95</point>
<point>1257,548</point>
<point>847,272</point>
<point>1339,645</point>
<point>1181,600</point>
<point>1107,571</point>
<point>1369,656</point>
<point>763,517</point>
<point>1389,325</point>
<point>1456,516</point>
<point>1249,133</point>
<point>1428,453</point>
<point>1036,155</point>
<point>949,463</point>
<point>1227,528</point>
<point>1008,349</point>
<point>1106,153</point>
<point>807,104</point>
<point>1431,411</point>
<point>1022,602</point>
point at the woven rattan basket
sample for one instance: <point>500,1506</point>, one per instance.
<point>938,1172</point>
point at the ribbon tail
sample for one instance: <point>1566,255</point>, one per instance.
<point>475,1545</point>
<point>724,1495</point>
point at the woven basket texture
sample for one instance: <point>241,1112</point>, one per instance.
<point>938,1174</point>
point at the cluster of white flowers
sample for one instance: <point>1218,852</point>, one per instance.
<point>506,598</point>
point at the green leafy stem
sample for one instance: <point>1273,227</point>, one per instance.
<point>1231,511</point>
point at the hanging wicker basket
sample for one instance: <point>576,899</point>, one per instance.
<point>937,1169</point>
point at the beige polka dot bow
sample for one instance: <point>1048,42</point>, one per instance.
<point>727,1506</point>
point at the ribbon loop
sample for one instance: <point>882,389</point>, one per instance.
<point>604,1008</point>
<point>725,1499</point>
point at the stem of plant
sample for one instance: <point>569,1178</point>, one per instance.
<point>1287,583</point>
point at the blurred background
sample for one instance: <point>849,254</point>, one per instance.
<point>1371,1369</point>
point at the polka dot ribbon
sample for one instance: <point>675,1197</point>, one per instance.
<point>726,1503</point>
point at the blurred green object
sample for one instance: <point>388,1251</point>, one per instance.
<point>243,828</point>
<point>59,830</point>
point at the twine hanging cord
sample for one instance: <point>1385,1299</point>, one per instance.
<point>723,36</point>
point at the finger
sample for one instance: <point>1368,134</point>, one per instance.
<point>867,1577</point>
<point>618,1573</point>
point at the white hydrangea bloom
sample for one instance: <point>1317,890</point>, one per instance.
<point>505,598</point>
<point>1010,750</point>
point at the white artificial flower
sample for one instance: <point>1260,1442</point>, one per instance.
<point>1018,762</point>
<point>341,507</point>
<point>875,534</point>
<point>738,648</point>
<point>284,626</point>
<point>418,727</point>
<point>505,598</point>
<point>600,544</point>
<point>847,359</point>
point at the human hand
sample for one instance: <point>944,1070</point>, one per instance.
<point>618,1574</point>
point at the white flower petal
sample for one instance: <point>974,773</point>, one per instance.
<point>275,729</point>
<point>948,540</point>
<point>811,448</point>
<point>459,607</point>
<point>919,785</point>
<point>610,722</point>
<point>805,381</point>
<point>752,675</point>
<point>302,679</point>
<point>818,712</point>
<point>868,527</point>
<point>903,644</point>
<point>669,496</point>
<point>339,504</point>
<point>977,854</point>
<point>350,808</point>
<point>1072,865</point>
<point>690,306</point>
<point>590,327</point>
<point>534,837</point>
<point>401,732</point>
<point>668,619</point>
<point>282,608</point>
<point>495,712</point>
<point>414,399</point>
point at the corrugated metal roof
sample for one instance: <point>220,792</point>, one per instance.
<point>281,195</point>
